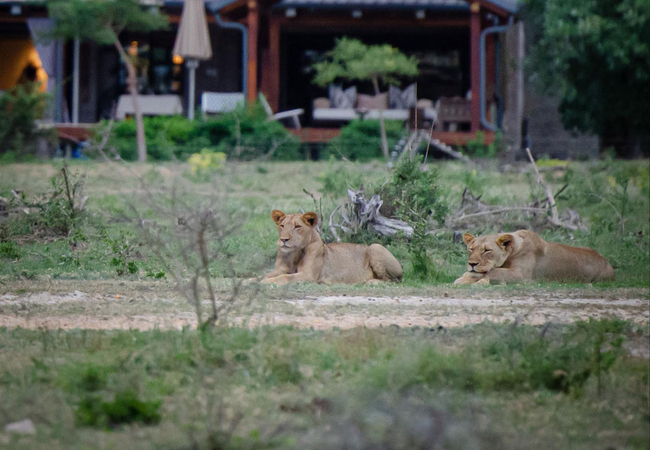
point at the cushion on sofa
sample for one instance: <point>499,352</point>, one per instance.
<point>402,98</point>
<point>424,103</point>
<point>340,98</point>
<point>379,101</point>
<point>321,102</point>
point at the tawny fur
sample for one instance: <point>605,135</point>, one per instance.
<point>303,257</point>
<point>524,256</point>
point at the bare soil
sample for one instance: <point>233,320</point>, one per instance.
<point>115,311</point>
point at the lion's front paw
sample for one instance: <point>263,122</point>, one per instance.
<point>483,281</point>
<point>466,278</point>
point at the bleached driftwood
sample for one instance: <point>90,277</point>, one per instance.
<point>359,213</point>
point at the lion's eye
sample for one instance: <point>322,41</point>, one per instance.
<point>298,226</point>
<point>487,250</point>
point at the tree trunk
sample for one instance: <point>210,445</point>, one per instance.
<point>382,123</point>
<point>132,82</point>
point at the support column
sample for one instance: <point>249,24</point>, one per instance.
<point>75,81</point>
<point>253,31</point>
<point>274,63</point>
<point>474,65</point>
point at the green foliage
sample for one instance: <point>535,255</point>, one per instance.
<point>9,250</point>
<point>167,138</point>
<point>124,254</point>
<point>20,106</point>
<point>338,178</point>
<point>102,21</point>
<point>243,134</point>
<point>246,133</point>
<point>206,380</point>
<point>596,55</point>
<point>126,408</point>
<point>477,148</point>
<point>415,193</point>
<point>206,163</point>
<point>360,139</point>
<point>353,60</point>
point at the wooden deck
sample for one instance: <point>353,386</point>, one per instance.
<point>453,138</point>
<point>75,132</point>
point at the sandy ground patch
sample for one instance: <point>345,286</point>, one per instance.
<point>102,312</point>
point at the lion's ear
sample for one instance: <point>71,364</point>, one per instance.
<point>504,240</point>
<point>277,216</point>
<point>468,238</point>
<point>310,218</point>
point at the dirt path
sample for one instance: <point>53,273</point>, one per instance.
<point>94,311</point>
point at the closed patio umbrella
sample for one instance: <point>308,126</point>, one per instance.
<point>193,43</point>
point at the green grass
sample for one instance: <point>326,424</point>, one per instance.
<point>277,387</point>
<point>605,194</point>
<point>484,386</point>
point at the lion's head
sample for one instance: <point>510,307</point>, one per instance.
<point>487,252</point>
<point>296,230</point>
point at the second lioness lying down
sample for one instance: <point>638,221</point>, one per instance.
<point>524,256</point>
<point>304,257</point>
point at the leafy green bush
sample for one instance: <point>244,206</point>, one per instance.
<point>245,133</point>
<point>127,407</point>
<point>9,250</point>
<point>360,139</point>
<point>206,163</point>
<point>19,108</point>
<point>167,137</point>
<point>477,147</point>
<point>338,178</point>
<point>414,195</point>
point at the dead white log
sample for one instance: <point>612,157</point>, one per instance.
<point>555,217</point>
<point>360,213</point>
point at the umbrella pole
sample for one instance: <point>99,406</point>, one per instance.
<point>191,64</point>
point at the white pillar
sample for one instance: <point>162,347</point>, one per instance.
<point>191,64</point>
<point>75,83</point>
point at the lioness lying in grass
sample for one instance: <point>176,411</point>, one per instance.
<point>304,257</point>
<point>524,256</point>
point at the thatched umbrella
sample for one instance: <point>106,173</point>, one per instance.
<point>193,42</point>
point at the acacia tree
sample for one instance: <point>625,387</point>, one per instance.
<point>102,21</point>
<point>353,60</point>
<point>596,55</point>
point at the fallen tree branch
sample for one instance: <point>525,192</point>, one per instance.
<point>360,213</point>
<point>500,210</point>
<point>555,217</point>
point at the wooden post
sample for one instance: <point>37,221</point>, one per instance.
<point>273,69</point>
<point>253,31</point>
<point>474,65</point>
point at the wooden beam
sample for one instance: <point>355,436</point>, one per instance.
<point>474,65</point>
<point>491,7</point>
<point>253,32</point>
<point>326,24</point>
<point>272,72</point>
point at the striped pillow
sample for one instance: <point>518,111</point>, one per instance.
<point>402,99</point>
<point>340,98</point>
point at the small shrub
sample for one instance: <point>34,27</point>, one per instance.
<point>477,147</point>
<point>414,195</point>
<point>338,178</point>
<point>19,108</point>
<point>124,254</point>
<point>360,140</point>
<point>246,133</point>
<point>127,407</point>
<point>9,250</point>
<point>205,163</point>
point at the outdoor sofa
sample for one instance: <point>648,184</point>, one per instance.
<point>345,105</point>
